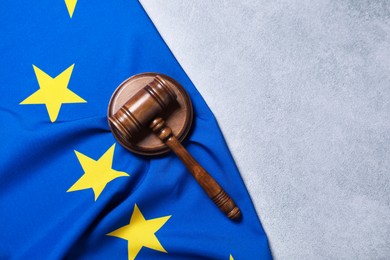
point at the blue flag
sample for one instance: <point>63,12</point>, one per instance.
<point>67,188</point>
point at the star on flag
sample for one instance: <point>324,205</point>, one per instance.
<point>53,92</point>
<point>70,5</point>
<point>97,173</point>
<point>140,233</point>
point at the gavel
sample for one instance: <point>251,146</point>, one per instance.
<point>144,111</point>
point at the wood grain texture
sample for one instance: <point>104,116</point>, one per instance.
<point>209,185</point>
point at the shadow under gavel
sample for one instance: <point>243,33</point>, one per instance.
<point>144,110</point>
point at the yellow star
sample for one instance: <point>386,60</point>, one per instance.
<point>140,233</point>
<point>70,5</point>
<point>96,173</point>
<point>53,92</point>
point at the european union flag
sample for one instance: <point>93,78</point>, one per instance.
<point>67,189</point>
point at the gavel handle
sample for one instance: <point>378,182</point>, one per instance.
<point>209,185</point>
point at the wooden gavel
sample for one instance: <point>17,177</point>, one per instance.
<point>144,110</point>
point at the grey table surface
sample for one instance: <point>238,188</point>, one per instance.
<point>301,90</point>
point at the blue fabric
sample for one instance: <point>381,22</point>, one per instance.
<point>107,41</point>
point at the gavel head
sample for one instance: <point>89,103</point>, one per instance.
<point>138,101</point>
<point>140,110</point>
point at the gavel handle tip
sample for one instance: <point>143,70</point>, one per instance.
<point>234,214</point>
<point>227,205</point>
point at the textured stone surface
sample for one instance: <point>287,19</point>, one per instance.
<point>310,124</point>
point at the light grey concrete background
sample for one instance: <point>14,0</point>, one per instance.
<point>301,90</point>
